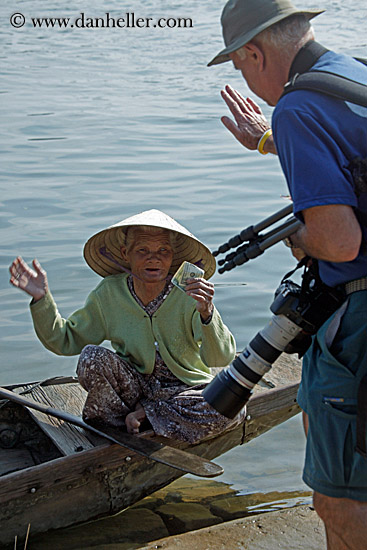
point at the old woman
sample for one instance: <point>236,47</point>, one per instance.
<point>165,340</point>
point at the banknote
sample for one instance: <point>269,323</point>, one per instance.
<point>184,272</point>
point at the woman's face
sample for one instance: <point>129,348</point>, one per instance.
<point>150,256</point>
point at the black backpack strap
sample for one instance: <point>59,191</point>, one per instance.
<point>306,57</point>
<point>301,78</point>
<point>331,84</point>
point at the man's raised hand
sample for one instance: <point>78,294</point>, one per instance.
<point>250,123</point>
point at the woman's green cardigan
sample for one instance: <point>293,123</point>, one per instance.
<point>188,347</point>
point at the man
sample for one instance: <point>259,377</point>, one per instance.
<point>316,138</point>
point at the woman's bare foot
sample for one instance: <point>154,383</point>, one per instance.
<point>134,419</point>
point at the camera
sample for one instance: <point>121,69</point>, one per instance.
<point>298,313</point>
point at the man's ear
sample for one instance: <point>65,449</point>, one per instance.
<point>255,54</point>
<point>123,251</point>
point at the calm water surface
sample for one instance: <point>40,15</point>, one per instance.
<point>98,124</point>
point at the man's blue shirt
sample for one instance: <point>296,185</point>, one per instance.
<point>317,137</point>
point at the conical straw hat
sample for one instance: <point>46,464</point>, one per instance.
<point>102,250</point>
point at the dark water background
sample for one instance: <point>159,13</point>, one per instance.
<point>99,124</point>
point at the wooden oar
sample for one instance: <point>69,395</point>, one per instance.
<point>176,458</point>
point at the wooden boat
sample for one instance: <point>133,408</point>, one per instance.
<point>54,474</point>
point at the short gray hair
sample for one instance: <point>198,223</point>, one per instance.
<point>293,31</point>
<point>289,34</point>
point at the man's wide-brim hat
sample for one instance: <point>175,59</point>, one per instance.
<point>102,251</point>
<point>242,20</point>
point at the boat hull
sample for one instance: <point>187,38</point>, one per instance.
<point>106,479</point>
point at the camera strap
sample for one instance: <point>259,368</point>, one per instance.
<point>310,275</point>
<point>301,263</point>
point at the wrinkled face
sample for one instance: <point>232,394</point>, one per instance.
<point>150,256</point>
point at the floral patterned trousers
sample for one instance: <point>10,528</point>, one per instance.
<point>174,409</point>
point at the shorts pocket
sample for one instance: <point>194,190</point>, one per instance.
<point>347,409</point>
<point>338,359</point>
<point>331,459</point>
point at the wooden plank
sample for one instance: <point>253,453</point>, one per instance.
<point>272,400</point>
<point>68,439</point>
<point>286,370</point>
<point>13,460</point>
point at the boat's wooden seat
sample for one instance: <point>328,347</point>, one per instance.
<point>70,397</point>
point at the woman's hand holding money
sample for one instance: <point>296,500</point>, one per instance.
<point>202,291</point>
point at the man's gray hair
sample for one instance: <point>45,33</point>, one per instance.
<point>295,30</point>
<point>289,34</point>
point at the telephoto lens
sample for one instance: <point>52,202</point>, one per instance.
<point>232,387</point>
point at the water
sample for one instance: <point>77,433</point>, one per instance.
<point>98,124</point>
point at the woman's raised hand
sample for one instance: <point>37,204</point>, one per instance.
<point>203,292</point>
<point>33,282</point>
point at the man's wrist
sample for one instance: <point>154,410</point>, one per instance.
<point>260,146</point>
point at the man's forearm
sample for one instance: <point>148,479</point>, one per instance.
<point>301,240</point>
